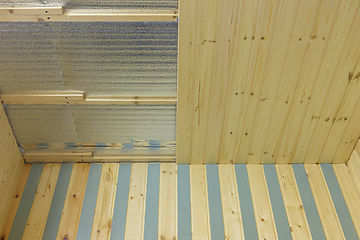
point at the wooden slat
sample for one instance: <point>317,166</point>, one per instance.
<point>40,209</point>
<point>354,170</point>
<point>135,216</point>
<point>88,15</point>
<point>233,224</point>
<point>298,223</point>
<point>168,202</point>
<point>102,223</point>
<point>200,219</point>
<point>15,202</point>
<point>73,202</point>
<point>349,192</point>
<point>78,99</point>
<point>324,203</point>
<point>17,10</point>
<point>264,216</point>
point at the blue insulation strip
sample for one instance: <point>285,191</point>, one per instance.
<point>57,204</point>
<point>87,212</point>
<point>152,202</point>
<point>26,202</point>
<point>184,214</point>
<point>214,196</point>
<point>246,205</point>
<point>307,198</point>
<point>121,200</point>
<point>339,202</point>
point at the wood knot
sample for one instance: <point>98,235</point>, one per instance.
<point>11,11</point>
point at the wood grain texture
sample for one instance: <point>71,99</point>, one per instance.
<point>264,216</point>
<point>324,203</point>
<point>267,81</point>
<point>295,212</point>
<point>168,224</point>
<point>70,217</point>
<point>200,217</point>
<point>135,215</point>
<point>233,224</point>
<point>104,209</point>
<point>42,201</point>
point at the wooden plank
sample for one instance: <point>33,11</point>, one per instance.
<point>184,205</point>
<point>200,219</point>
<point>38,10</point>
<point>102,223</point>
<point>40,209</point>
<point>88,208</point>
<point>324,203</point>
<point>79,99</point>
<point>57,204</point>
<point>233,223</point>
<point>264,216</point>
<point>73,202</point>
<point>135,217</point>
<point>71,15</point>
<point>15,202</point>
<point>168,208</point>
<point>353,167</point>
<point>350,193</point>
<point>298,223</point>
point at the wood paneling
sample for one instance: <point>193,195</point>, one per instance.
<point>268,81</point>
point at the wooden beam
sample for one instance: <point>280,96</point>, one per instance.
<point>77,98</point>
<point>36,14</point>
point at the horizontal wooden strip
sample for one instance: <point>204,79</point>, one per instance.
<point>54,154</point>
<point>72,15</point>
<point>12,11</point>
<point>79,99</point>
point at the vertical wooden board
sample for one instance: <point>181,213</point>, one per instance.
<point>215,207</point>
<point>74,198</point>
<point>233,224</point>
<point>135,216</point>
<point>339,202</point>
<point>56,208</point>
<point>264,216</point>
<point>122,196</point>
<point>168,207</point>
<point>317,41</point>
<point>42,201</point>
<point>324,203</point>
<point>152,202</point>
<point>246,205</point>
<point>294,207</point>
<point>184,209</point>
<point>353,167</point>
<point>349,191</point>
<point>311,212</point>
<point>277,203</point>
<point>104,209</point>
<point>88,208</point>
<point>26,201</point>
<point>15,202</point>
<point>200,219</point>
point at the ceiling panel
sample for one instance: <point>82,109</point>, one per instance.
<point>268,81</point>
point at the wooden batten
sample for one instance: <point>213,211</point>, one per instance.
<point>23,10</point>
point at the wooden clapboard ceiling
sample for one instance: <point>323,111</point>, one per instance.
<point>267,81</point>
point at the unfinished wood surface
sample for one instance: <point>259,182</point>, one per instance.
<point>350,193</point>
<point>295,212</point>
<point>135,217</point>
<point>267,81</point>
<point>167,228</point>
<point>11,165</point>
<point>40,208</point>
<point>104,210</point>
<point>233,224</point>
<point>15,201</point>
<point>73,202</point>
<point>200,218</point>
<point>34,14</point>
<point>353,167</point>
<point>324,203</point>
<point>264,216</point>
<point>79,99</point>
<point>18,10</point>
